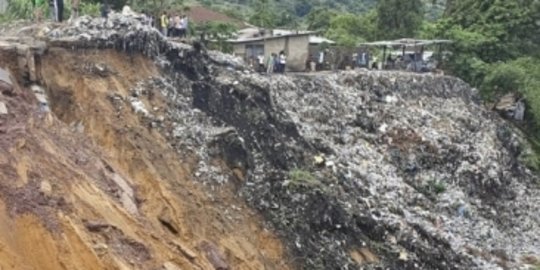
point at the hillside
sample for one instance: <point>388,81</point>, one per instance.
<point>300,8</point>
<point>121,149</point>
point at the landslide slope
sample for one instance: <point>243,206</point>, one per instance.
<point>86,186</point>
<point>156,154</point>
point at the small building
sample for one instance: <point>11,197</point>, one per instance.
<point>297,45</point>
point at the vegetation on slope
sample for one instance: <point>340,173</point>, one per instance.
<point>497,49</point>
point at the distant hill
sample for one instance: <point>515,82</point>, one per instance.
<point>300,8</point>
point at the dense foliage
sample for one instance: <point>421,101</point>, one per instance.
<point>399,19</point>
<point>497,49</point>
<point>497,45</point>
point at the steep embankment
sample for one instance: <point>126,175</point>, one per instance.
<point>88,187</point>
<point>155,153</point>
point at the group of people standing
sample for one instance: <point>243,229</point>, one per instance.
<point>174,25</point>
<point>274,63</point>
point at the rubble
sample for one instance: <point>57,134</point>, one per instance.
<point>371,169</point>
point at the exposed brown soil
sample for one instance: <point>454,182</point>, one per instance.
<point>79,164</point>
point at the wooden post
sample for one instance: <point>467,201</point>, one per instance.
<point>384,57</point>
<point>414,58</point>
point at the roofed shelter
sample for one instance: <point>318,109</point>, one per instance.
<point>417,45</point>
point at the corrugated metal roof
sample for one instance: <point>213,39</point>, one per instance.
<point>320,40</point>
<point>407,42</point>
<point>252,34</point>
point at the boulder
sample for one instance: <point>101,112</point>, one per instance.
<point>3,108</point>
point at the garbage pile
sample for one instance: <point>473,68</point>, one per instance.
<point>383,170</point>
<point>129,34</point>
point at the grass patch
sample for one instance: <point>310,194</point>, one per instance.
<point>432,188</point>
<point>302,177</point>
<point>437,187</point>
<point>532,159</point>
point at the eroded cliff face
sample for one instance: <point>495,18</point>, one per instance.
<point>148,154</point>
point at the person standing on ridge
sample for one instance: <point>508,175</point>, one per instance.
<point>57,10</point>
<point>260,60</point>
<point>164,23</point>
<point>185,25</point>
<point>276,63</point>
<point>177,26</point>
<point>282,62</point>
<point>270,63</point>
<point>170,27</point>
<point>105,9</point>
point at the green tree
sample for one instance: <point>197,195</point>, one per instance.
<point>486,32</point>
<point>511,28</point>
<point>218,33</point>
<point>263,14</point>
<point>349,29</point>
<point>497,49</point>
<point>398,18</point>
<point>319,19</point>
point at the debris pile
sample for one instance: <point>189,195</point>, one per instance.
<point>383,170</point>
<point>414,170</point>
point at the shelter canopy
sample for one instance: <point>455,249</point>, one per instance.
<point>406,42</point>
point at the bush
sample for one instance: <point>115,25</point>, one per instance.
<point>91,9</point>
<point>521,75</point>
<point>19,9</point>
<point>502,79</point>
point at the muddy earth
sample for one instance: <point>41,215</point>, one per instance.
<point>123,150</point>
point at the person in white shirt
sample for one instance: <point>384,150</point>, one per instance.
<point>282,61</point>
<point>181,29</point>
<point>260,59</point>
<point>185,25</point>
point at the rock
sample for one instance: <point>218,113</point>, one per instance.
<point>319,160</point>
<point>506,103</point>
<point>46,187</point>
<point>171,266</point>
<point>138,106</point>
<point>6,85</point>
<point>213,255</point>
<point>167,221</point>
<point>97,226</point>
<point>101,249</point>
<point>127,195</point>
<point>403,256</point>
<point>519,112</point>
<point>190,254</point>
<point>364,256</point>
<point>3,108</point>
